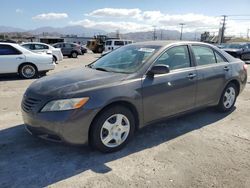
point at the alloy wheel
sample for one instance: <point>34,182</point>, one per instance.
<point>115,130</point>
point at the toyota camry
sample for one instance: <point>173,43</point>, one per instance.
<point>104,103</point>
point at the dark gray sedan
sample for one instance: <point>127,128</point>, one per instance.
<point>104,103</point>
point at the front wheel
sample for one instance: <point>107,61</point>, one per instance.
<point>228,98</point>
<point>112,129</point>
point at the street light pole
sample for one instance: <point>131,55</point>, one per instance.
<point>181,24</point>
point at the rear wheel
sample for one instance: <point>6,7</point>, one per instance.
<point>228,98</point>
<point>74,54</point>
<point>28,71</point>
<point>112,129</point>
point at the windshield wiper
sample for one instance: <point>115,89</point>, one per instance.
<point>100,69</point>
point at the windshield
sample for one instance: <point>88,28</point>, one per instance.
<point>127,59</point>
<point>235,46</point>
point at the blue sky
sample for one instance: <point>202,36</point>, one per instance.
<point>164,14</point>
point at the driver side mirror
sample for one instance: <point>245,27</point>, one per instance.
<point>159,69</point>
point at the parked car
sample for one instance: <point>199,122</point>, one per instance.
<point>238,50</point>
<point>44,48</point>
<point>69,49</point>
<point>16,59</point>
<point>104,103</point>
<point>112,44</point>
<point>83,49</point>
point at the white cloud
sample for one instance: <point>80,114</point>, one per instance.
<point>111,12</point>
<point>113,26</point>
<point>130,20</point>
<point>50,16</point>
<point>19,11</point>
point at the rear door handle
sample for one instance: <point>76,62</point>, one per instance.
<point>226,68</point>
<point>191,76</point>
<point>19,58</point>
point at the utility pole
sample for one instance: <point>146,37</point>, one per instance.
<point>248,30</point>
<point>161,34</point>
<point>181,24</point>
<point>222,30</point>
<point>154,33</point>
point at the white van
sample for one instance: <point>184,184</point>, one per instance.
<point>115,43</point>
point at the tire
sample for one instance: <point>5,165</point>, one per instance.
<point>28,71</point>
<point>99,49</point>
<point>55,59</point>
<point>228,98</point>
<point>107,134</point>
<point>74,54</point>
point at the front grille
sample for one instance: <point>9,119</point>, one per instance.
<point>28,104</point>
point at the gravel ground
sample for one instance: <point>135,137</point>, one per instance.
<point>203,149</point>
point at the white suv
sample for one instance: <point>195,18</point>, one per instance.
<point>42,47</point>
<point>16,59</point>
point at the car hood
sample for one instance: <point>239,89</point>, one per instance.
<point>72,81</point>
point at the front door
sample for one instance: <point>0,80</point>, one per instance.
<point>168,94</point>
<point>10,59</point>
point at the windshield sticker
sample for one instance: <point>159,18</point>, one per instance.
<point>147,50</point>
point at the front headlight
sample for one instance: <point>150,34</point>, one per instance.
<point>65,104</point>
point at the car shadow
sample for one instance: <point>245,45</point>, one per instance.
<point>26,160</point>
<point>14,77</point>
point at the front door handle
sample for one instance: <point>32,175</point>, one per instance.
<point>226,68</point>
<point>191,76</point>
<point>19,58</point>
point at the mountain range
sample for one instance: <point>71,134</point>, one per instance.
<point>87,32</point>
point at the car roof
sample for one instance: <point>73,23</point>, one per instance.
<point>9,43</point>
<point>34,43</point>
<point>163,43</point>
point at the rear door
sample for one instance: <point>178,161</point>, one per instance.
<point>67,48</point>
<point>10,58</point>
<point>167,94</point>
<point>213,71</point>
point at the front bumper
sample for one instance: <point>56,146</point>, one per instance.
<point>67,126</point>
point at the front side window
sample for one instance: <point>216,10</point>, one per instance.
<point>8,50</point>
<point>203,55</point>
<point>175,58</point>
<point>127,59</point>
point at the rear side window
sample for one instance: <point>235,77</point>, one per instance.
<point>176,58</point>
<point>8,50</point>
<point>40,47</point>
<point>203,55</point>
<point>28,46</point>
<point>119,43</point>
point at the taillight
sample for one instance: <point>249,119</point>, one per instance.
<point>245,67</point>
